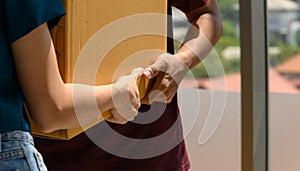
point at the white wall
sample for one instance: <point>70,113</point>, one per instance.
<point>222,151</point>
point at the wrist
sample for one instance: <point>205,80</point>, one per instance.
<point>188,58</point>
<point>104,97</point>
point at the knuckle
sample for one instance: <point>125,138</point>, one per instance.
<point>122,122</point>
<point>164,85</point>
<point>130,119</point>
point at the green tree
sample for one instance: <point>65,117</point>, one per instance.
<point>227,11</point>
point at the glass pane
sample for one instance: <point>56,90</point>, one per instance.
<point>284,84</point>
<point>210,97</point>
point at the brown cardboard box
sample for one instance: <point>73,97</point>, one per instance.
<point>119,35</point>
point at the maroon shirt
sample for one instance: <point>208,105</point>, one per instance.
<point>81,153</point>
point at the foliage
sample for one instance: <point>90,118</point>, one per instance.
<point>230,37</point>
<point>286,52</point>
<point>227,11</point>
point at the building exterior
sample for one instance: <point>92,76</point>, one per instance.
<point>290,70</point>
<point>283,18</point>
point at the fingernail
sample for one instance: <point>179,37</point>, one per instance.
<point>147,74</point>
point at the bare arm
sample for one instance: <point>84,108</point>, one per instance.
<point>49,99</point>
<point>201,39</point>
<point>169,70</point>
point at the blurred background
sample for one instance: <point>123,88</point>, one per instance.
<point>221,151</point>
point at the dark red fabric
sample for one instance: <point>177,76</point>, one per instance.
<point>188,6</point>
<point>80,153</point>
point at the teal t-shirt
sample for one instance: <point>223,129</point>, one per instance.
<point>17,18</point>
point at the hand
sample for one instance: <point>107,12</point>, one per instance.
<point>169,71</point>
<point>126,98</point>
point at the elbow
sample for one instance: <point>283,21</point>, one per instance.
<point>46,129</point>
<point>43,126</point>
<point>47,119</point>
<point>50,110</point>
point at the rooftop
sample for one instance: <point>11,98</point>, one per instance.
<point>232,82</point>
<point>290,66</point>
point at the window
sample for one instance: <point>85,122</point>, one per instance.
<point>210,100</point>
<point>284,84</point>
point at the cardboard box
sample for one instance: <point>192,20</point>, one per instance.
<point>105,40</point>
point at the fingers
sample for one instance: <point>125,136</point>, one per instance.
<point>113,120</point>
<point>127,79</point>
<point>134,95</point>
<point>135,101</point>
<point>126,98</point>
<point>168,70</point>
<point>159,66</point>
<point>169,64</point>
<point>156,95</point>
<point>163,90</point>
<point>136,71</point>
<point>149,73</point>
<point>122,116</point>
<point>116,118</point>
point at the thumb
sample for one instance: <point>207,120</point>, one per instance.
<point>160,65</point>
<point>154,69</point>
<point>137,71</point>
<point>149,73</point>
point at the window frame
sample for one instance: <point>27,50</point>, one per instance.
<point>254,90</point>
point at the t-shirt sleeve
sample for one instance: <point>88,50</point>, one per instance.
<point>23,16</point>
<point>188,6</point>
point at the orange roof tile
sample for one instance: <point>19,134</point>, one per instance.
<point>290,66</point>
<point>232,82</point>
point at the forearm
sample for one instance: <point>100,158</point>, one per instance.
<point>70,106</point>
<point>53,104</point>
<point>85,102</point>
<point>202,37</point>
